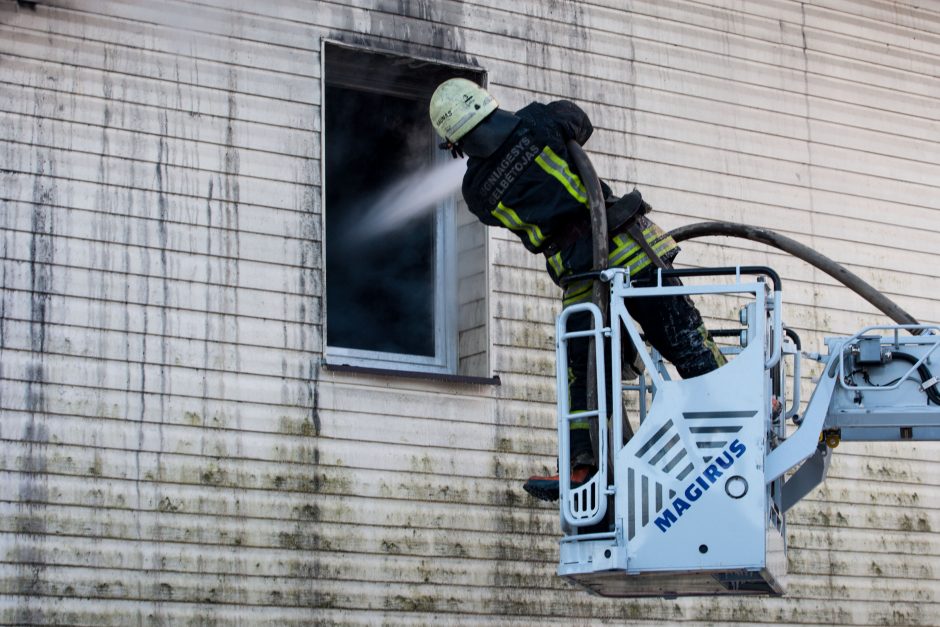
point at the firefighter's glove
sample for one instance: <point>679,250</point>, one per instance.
<point>452,147</point>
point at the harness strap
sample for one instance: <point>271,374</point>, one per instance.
<point>621,216</point>
<point>637,234</point>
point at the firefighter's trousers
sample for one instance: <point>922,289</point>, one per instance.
<point>671,324</point>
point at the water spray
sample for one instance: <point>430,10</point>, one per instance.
<point>415,195</point>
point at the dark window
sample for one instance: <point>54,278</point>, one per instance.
<point>392,292</point>
<point>380,289</point>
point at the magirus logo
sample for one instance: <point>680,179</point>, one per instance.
<point>701,484</point>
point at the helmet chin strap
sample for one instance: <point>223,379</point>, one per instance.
<point>489,134</point>
<point>452,147</point>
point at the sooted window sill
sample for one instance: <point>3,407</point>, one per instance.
<point>411,374</point>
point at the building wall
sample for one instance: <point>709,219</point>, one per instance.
<point>172,451</point>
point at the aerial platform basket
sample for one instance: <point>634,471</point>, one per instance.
<point>694,502</point>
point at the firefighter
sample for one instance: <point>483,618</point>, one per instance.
<point>519,176</point>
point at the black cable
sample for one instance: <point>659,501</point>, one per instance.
<point>790,333</point>
<point>924,373</point>
<point>851,379</point>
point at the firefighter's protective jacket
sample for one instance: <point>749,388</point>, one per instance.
<point>528,186</point>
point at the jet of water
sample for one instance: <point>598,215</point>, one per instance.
<point>415,195</point>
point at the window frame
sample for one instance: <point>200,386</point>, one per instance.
<point>445,281</point>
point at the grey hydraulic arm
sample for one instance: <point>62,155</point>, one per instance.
<point>878,385</point>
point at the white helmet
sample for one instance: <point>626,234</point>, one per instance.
<point>457,106</point>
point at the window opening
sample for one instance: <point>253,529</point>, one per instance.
<point>380,290</point>
<point>391,297</point>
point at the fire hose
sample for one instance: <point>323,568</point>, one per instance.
<point>803,252</point>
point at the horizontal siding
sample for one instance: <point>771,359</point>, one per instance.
<point>152,64</point>
<point>186,180</point>
<point>173,255</point>
<point>111,113</point>
<point>63,80</point>
<point>172,286</point>
<point>172,453</point>
<point>184,208</point>
<point>134,146</point>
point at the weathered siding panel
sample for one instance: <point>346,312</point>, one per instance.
<point>170,451</point>
<point>160,279</point>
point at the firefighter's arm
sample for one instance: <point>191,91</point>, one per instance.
<point>572,119</point>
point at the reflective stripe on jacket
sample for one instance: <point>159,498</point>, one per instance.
<point>529,187</point>
<point>624,253</point>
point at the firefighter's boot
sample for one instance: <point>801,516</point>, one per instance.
<point>546,488</point>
